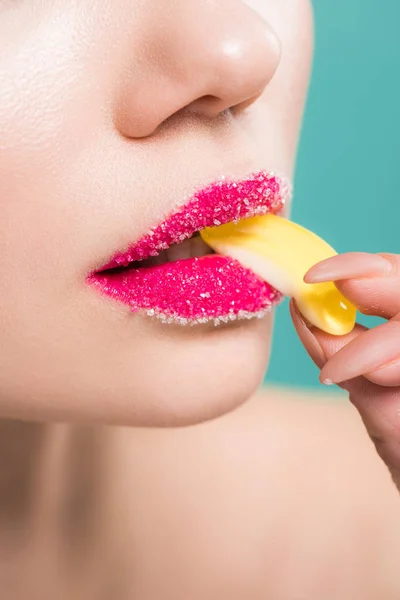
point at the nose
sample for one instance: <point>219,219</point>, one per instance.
<point>200,56</point>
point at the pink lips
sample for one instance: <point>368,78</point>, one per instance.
<point>197,290</point>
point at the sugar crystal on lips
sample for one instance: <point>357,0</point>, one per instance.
<point>208,288</point>
<point>193,292</point>
<point>223,202</point>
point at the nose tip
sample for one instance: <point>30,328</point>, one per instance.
<point>238,68</point>
<point>211,57</point>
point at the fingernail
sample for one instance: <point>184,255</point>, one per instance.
<point>355,266</point>
<point>308,338</point>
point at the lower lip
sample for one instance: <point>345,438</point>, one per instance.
<point>198,290</point>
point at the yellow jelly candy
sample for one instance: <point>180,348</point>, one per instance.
<point>281,252</point>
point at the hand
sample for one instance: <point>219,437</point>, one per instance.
<point>366,362</point>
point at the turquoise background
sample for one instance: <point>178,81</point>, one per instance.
<point>346,187</point>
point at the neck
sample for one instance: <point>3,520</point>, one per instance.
<point>54,482</point>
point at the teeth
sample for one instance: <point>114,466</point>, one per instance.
<point>191,248</point>
<point>199,247</point>
<point>160,259</point>
<point>179,251</point>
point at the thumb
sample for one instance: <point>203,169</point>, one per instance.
<point>320,346</point>
<point>379,407</point>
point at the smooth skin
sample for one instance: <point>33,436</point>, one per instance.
<point>111,113</point>
<point>283,498</point>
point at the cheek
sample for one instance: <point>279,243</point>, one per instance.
<point>286,95</point>
<point>47,118</point>
<point>43,134</point>
<point>279,111</point>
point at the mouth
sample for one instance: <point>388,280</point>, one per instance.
<point>172,274</point>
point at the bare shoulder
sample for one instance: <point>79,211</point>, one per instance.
<point>285,495</point>
<point>332,450</point>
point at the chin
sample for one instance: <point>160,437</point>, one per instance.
<point>188,377</point>
<point>139,372</point>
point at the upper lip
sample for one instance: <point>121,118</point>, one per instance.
<point>218,203</point>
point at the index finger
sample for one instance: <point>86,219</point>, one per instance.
<point>370,281</point>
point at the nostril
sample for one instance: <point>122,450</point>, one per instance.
<point>207,106</point>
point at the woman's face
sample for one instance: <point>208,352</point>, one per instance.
<point>113,115</point>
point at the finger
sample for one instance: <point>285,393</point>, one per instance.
<point>348,266</point>
<point>370,281</point>
<point>379,407</point>
<point>387,376</point>
<point>369,354</point>
<point>320,345</point>
<point>323,347</point>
